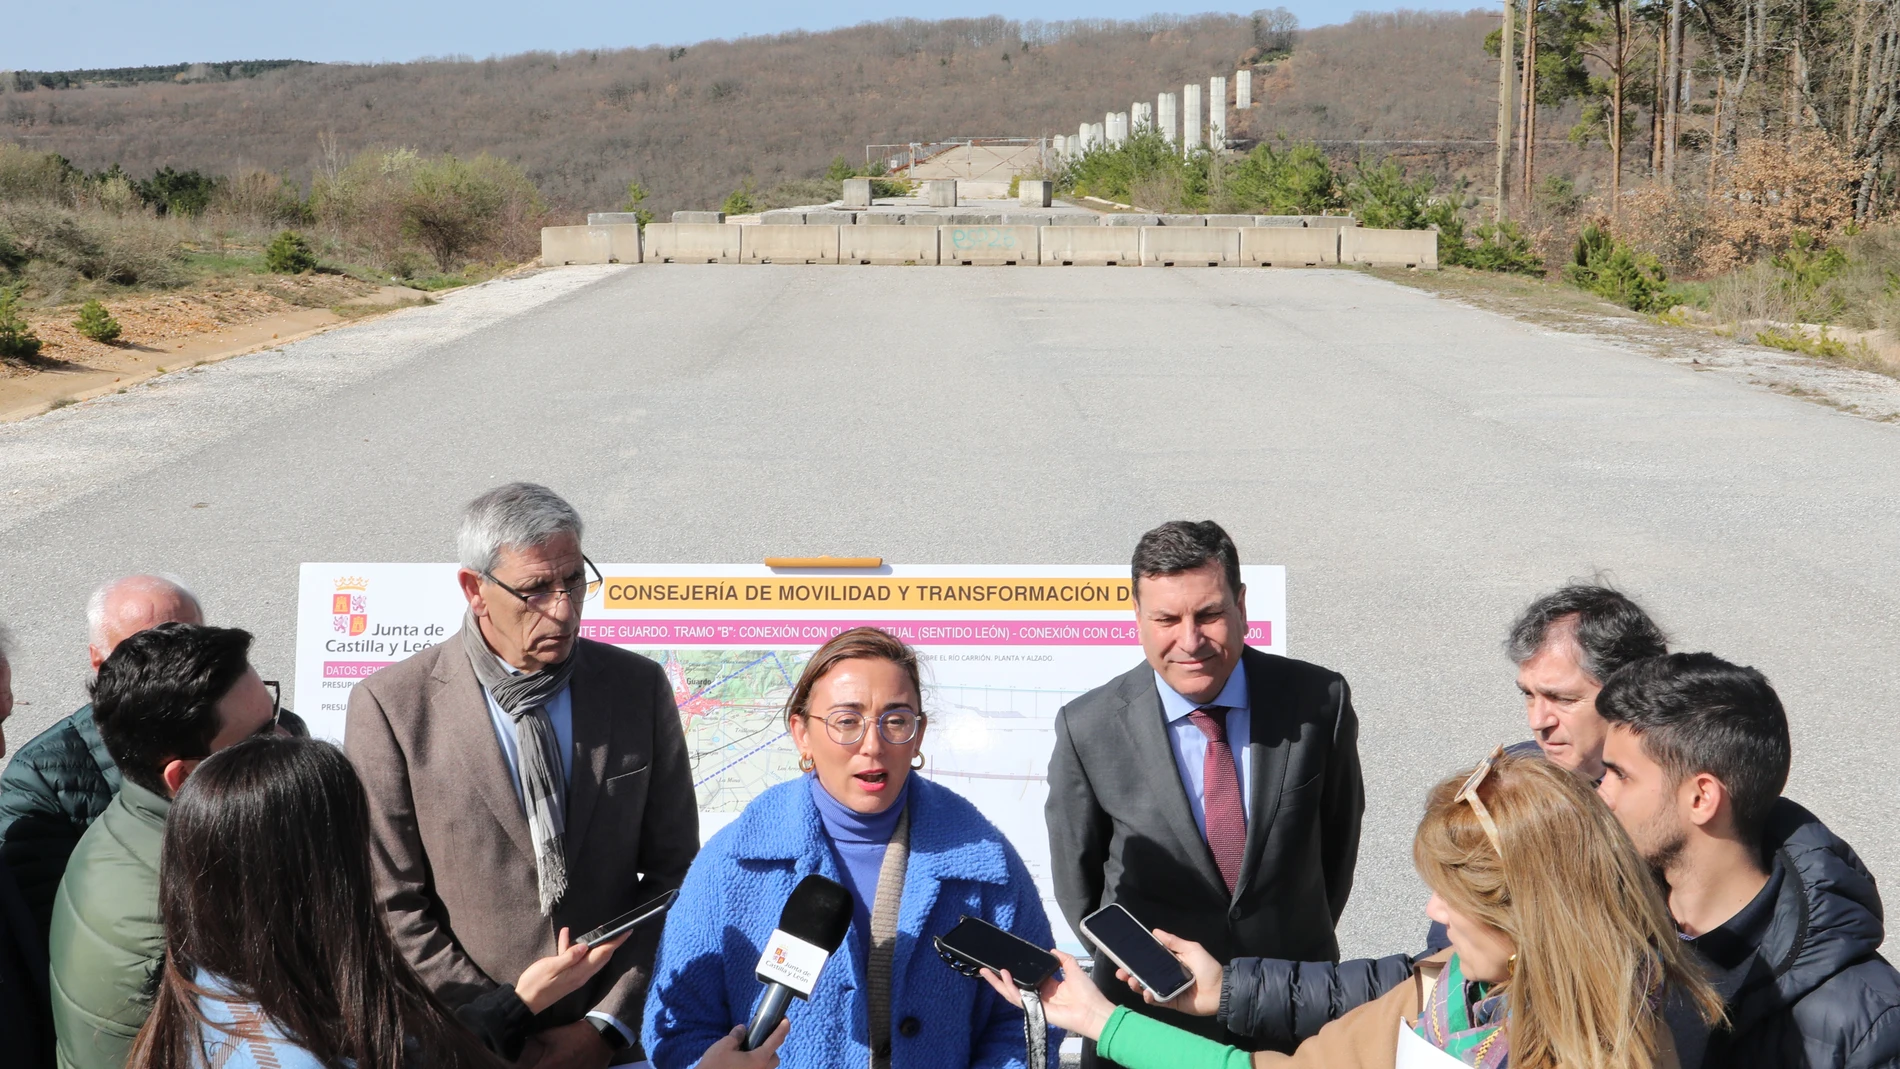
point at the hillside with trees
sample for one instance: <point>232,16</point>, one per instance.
<point>689,123</point>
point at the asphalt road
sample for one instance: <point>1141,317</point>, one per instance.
<point>1421,468</point>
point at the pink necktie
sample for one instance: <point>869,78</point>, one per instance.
<point>1220,796</point>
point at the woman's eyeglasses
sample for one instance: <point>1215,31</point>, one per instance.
<point>896,726</point>
<point>1469,793</point>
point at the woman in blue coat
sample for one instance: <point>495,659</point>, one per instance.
<point>916,858</point>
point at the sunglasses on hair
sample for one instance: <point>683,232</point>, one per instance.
<point>1469,793</point>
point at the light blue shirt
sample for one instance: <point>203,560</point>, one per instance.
<point>1190,746</point>
<point>561,715</point>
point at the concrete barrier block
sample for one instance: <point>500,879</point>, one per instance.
<point>1279,220</point>
<point>782,217</point>
<point>988,245</point>
<point>1181,220</point>
<point>941,192</point>
<point>1330,220</point>
<point>887,245</point>
<point>613,218</point>
<point>1131,219</point>
<point>806,244</point>
<point>693,243</point>
<point>1228,220</point>
<point>1030,219</point>
<point>625,245</point>
<point>972,219</point>
<point>1389,248</point>
<point>699,217</point>
<point>857,192</point>
<point>573,245</point>
<point>1289,246</point>
<point>1188,246</point>
<point>614,244</point>
<point>830,218</point>
<point>1090,246</point>
<point>882,218</point>
<point>1036,192</point>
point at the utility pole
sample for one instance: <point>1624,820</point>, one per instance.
<point>1528,134</point>
<point>1674,99</point>
<point>1507,61</point>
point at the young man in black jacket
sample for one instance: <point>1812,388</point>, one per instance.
<point>1784,913</point>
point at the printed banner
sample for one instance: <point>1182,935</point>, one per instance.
<point>1003,648</point>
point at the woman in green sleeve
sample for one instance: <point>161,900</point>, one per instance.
<point>1562,950</point>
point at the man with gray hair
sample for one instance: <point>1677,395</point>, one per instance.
<point>60,782</point>
<point>524,780</point>
<point>1565,645</point>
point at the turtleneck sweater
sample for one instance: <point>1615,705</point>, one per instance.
<point>859,840</point>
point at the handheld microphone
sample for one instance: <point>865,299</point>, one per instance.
<point>810,927</point>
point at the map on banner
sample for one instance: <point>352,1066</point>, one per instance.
<point>1003,648</point>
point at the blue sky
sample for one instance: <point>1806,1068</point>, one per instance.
<point>69,34</point>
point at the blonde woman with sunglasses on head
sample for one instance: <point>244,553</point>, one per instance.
<point>1562,951</point>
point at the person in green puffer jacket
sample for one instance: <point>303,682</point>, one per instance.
<point>164,700</point>
<point>64,778</point>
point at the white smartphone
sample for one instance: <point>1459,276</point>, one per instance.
<point>1129,944</point>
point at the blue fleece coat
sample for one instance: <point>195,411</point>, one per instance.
<point>703,982</point>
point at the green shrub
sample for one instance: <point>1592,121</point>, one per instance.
<point>97,323</point>
<point>16,338</point>
<point>290,254</point>
<point>740,202</point>
<point>1500,247</point>
<point>1386,197</point>
<point>172,192</point>
<point>1612,270</point>
<point>1798,341</point>
<point>1805,269</point>
<point>1146,169</point>
<point>1294,179</point>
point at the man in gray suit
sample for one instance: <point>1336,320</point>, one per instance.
<point>523,779</point>
<point>1213,791</point>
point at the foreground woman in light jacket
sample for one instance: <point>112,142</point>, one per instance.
<point>1562,951</point>
<point>915,856</point>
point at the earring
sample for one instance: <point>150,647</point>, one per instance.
<point>805,763</point>
<point>917,762</point>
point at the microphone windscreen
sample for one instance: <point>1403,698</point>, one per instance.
<point>819,912</point>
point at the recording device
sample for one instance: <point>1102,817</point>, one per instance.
<point>810,927</point>
<point>1129,944</point>
<point>974,945</point>
<point>630,920</point>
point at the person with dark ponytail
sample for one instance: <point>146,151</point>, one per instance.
<point>276,953</point>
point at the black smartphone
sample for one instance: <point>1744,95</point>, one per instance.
<point>976,944</point>
<point>1129,944</point>
<point>630,920</point>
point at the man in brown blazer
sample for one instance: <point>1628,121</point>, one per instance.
<point>522,780</point>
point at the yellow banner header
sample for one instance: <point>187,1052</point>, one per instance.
<point>880,592</point>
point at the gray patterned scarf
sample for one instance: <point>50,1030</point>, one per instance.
<point>525,697</point>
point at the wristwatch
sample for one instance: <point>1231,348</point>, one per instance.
<point>610,1035</point>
